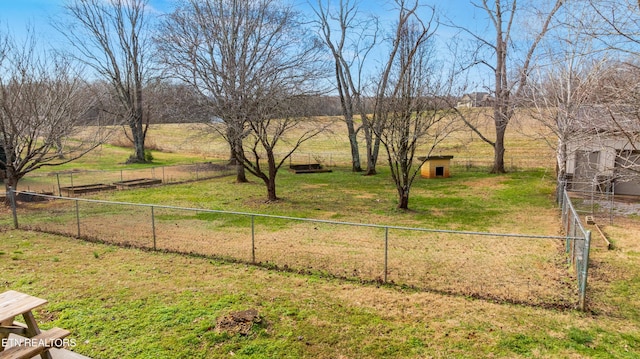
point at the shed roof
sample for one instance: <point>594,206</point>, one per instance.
<point>423,158</point>
<point>607,119</point>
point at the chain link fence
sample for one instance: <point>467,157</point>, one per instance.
<point>577,245</point>
<point>78,182</point>
<point>514,268</point>
<point>71,183</point>
<point>512,163</point>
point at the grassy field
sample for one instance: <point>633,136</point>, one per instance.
<point>181,143</point>
<point>127,303</point>
<point>130,303</point>
<point>513,269</point>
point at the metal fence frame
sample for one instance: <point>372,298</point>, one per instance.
<point>54,182</point>
<point>577,246</point>
<point>576,239</point>
<point>593,194</point>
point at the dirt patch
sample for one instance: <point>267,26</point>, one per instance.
<point>315,186</point>
<point>489,184</point>
<point>239,322</point>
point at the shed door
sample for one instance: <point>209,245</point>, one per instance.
<point>627,177</point>
<point>586,170</point>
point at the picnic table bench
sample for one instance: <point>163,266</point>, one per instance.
<point>34,341</point>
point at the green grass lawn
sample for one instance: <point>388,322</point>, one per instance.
<point>129,303</point>
<point>467,200</point>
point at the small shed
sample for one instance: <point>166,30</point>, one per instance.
<point>602,150</point>
<point>435,166</point>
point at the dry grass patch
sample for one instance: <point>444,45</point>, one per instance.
<point>510,269</point>
<point>111,297</point>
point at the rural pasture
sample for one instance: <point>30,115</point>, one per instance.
<point>467,296</point>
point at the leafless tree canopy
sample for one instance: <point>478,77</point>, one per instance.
<point>509,65</point>
<point>408,109</point>
<point>350,37</point>
<point>251,60</point>
<point>43,101</point>
<point>113,38</point>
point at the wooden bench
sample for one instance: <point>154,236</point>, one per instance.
<point>35,345</point>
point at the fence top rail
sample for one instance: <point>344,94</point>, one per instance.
<point>369,225</point>
<point>72,172</point>
<point>574,213</point>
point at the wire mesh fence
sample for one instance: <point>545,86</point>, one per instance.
<point>513,268</point>
<point>78,182</point>
<point>71,183</point>
<point>461,162</point>
<point>577,245</point>
<point>593,198</point>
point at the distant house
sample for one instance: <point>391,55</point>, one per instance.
<point>603,152</point>
<point>475,99</point>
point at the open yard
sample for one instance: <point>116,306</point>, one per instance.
<point>449,295</point>
<point>127,303</point>
<point>505,268</point>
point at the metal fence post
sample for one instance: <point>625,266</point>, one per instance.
<point>14,211</point>
<point>78,217</point>
<point>253,240</point>
<point>58,179</point>
<point>584,271</point>
<point>386,252</point>
<point>153,227</point>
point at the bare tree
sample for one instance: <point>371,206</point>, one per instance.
<point>253,61</point>
<point>350,39</point>
<point>616,30</point>
<point>617,26</point>
<point>558,96</point>
<point>168,101</point>
<point>43,102</point>
<point>112,37</point>
<point>568,81</point>
<point>409,109</point>
<point>269,128</point>
<point>500,56</point>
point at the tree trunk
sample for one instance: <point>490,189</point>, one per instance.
<point>241,176</point>
<point>403,199</point>
<point>498,155</point>
<point>139,146</point>
<point>137,121</point>
<point>137,133</point>
<point>353,142</point>
<point>498,146</point>
<point>561,167</point>
<point>233,159</point>
<point>59,149</point>
<point>271,179</point>
<point>271,190</point>
<point>372,152</point>
<point>10,182</point>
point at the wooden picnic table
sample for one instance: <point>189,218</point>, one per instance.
<point>37,342</point>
